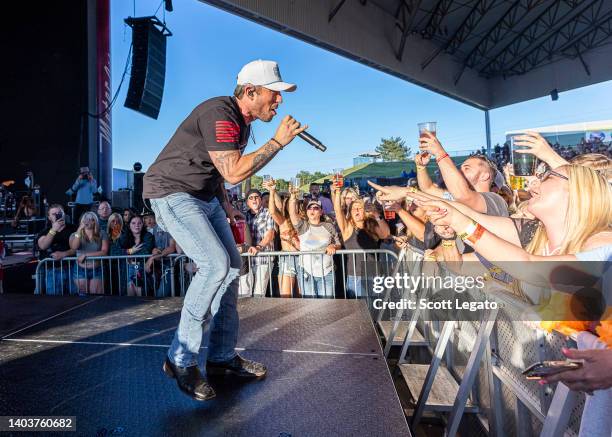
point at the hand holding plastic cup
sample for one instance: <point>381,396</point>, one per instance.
<point>388,210</point>
<point>338,178</point>
<point>427,126</point>
<point>296,182</point>
<point>524,164</point>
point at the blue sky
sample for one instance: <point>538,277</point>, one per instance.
<point>348,106</point>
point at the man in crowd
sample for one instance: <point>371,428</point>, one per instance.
<point>54,242</point>
<point>261,226</point>
<point>104,212</point>
<point>184,186</point>
<point>471,185</point>
<point>84,187</point>
<point>315,194</point>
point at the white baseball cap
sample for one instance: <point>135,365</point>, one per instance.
<point>265,74</point>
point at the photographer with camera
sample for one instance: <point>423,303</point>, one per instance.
<point>85,186</point>
<point>54,242</point>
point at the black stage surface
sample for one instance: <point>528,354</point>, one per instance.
<point>100,360</point>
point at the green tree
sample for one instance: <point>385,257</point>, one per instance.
<point>282,184</point>
<point>306,177</point>
<point>393,149</point>
<point>256,182</point>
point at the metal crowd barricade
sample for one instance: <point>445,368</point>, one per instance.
<point>129,275</point>
<point>484,361</point>
<point>485,358</point>
<point>313,277</point>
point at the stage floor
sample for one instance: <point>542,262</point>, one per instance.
<point>100,360</point>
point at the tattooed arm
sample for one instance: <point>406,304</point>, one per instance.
<point>235,167</point>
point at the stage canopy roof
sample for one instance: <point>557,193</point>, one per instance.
<point>486,53</point>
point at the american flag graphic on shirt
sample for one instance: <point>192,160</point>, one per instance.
<point>227,132</point>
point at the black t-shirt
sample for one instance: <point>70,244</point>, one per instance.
<point>184,165</point>
<point>61,241</point>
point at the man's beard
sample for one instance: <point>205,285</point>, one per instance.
<point>267,117</point>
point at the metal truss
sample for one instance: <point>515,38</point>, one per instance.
<point>405,14</point>
<point>465,29</point>
<point>438,14</point>
<point>515,14</point>
<point>592,27</point>
<point>545,25</point>
<point>335,10</point>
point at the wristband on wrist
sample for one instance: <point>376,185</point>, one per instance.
<point>52,233</point>
<point>442,157</point>
<point>448,243</point>
<point>276,141</point>
<point>473,239</point>
<point>420,167</point>
<point>468,231</point>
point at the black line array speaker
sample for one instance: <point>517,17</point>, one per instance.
<point>137,202</point>
<point>148,66</point>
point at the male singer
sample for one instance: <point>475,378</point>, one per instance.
<point>185,187</point>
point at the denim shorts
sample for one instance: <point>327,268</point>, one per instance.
<point>89,274</point>
<point>287,265</point>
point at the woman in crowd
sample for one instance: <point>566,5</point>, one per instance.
<point>587,236</point>
<point>128,213</point>
<point>572,208</point>
<point>114,230</point>
<point>360,231</point>
<point>116,267</point>
<point>137,241</point>
<point>288,265</point>
<point>89,241</point>
<point>348,196</point>
<point>316,272</point>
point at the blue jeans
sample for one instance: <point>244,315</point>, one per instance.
<point>58,280</point>
<point>200,228</point>
<point>357,286</point>
<point>320,286</point>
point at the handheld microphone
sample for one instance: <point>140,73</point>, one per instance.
<point>312,141</point>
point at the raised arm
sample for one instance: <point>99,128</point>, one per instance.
<point>343,224</point>
<point>235,167</point>
<point>537,145</point>
<point>413,224</point>
<point>454,180</point>
<point>77,184</point>
<point>293,215</point>
<point>502,226</point>
<point>274,197</point>
<point>425,182</point>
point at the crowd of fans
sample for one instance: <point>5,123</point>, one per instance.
<point>501,154</point>
<point>133,237</point>
<point>472,213</point>
<point>326,218</point>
